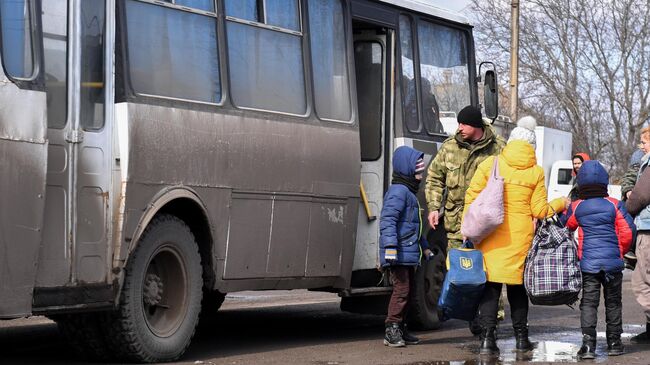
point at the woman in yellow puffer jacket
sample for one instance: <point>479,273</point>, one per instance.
<point>505,249</point>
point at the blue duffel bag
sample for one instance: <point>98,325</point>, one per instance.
<point>463,286</point>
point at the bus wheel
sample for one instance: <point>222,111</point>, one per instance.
<point>428,285</point>
<point>160,300</point>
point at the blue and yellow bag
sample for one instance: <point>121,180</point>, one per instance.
<point>464,283</point>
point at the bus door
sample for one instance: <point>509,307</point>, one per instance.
<point>372,50</point>
<point>23,154</point>
<point>75,244</point>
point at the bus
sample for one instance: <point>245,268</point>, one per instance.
<point>158,154</point>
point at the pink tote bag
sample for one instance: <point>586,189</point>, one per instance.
<point>485,213</point>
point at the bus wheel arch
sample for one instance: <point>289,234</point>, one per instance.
<point>184,204</point>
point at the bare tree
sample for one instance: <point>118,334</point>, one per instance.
<point>584,66</point>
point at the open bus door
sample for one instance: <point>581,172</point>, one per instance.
<point>23,154</point>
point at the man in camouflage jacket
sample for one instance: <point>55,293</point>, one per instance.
<point>453,168</point>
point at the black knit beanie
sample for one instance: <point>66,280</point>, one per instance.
<point>470,115</point>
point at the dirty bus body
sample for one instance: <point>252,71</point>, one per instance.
<point>157,155</point>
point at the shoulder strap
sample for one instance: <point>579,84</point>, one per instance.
<point>495,167</point>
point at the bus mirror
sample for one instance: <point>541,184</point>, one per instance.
<point>491,94</point>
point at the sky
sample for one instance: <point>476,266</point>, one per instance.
<point>455,5</point>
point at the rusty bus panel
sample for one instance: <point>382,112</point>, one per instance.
<point>23,161</point>
<point>247,159</point>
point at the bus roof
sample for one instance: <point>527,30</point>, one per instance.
<point>423,6</point>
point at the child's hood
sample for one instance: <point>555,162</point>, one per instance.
<point>404,160</point>
<point>592,172</point>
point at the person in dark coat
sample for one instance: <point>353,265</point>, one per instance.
<point>401,241</point>
<point>638,204</point>
<point>605,232</point>
<point>639,157</point>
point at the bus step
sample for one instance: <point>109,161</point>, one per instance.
<point>363,292</point>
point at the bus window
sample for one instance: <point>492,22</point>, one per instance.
<point>92,64</point>
<point>368,58</point>
<point>409,96</point>
<point>329,60</point>
<point>55,50</point>
<point>283,13</point>
<point>17,53</point>
<point>172,52</point>
<point>245,9</point>
<point>207,5</point>
<point>444,72</point>
<point>265,64</point>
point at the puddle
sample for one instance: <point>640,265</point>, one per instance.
<point>551,347</point>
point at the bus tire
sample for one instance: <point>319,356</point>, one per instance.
<point>428,285</point>
<point>83,332</point>
<point>161,296</point>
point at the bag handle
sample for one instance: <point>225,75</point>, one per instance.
<point>495,168</point>
<point>467,244</point>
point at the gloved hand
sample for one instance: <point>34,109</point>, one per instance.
<point>630,260</point>
<point>390,255</point>
<point>428,254</point>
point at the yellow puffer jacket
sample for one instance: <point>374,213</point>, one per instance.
<point>524,199</point>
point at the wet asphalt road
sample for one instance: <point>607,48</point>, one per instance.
<point>299,327</point>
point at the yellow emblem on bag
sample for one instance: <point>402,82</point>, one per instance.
<point>466,263</point>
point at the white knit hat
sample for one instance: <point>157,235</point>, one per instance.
<point>525,131</point>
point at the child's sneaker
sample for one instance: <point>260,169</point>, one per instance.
<point>588,348</point>
<point>393,335</point>
<point>614,346</point>
<point>630,260</point>
<point>408,338</point>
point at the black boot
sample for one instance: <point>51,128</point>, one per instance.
<point>393,335</point>
<point>614,345</point>
<point>408,338</point>
<point>475,326</point>
<point>489,342</point>
<point>521,337</point>
<point>642,338</point>
<point>588,349</point>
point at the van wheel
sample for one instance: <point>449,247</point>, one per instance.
<point>428,285</point>
<point>160,300</point>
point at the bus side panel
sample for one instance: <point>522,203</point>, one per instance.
<point>294,189</point>
<point>23,163</point>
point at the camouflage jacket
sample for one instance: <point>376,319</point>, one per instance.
<point>629,180</point>
<point>453,168</point>
<point>630,177</point>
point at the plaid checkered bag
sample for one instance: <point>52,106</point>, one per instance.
<point>552,274</point>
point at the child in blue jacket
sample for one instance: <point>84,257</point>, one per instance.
<point>605,231</point>
<point>401,245</point>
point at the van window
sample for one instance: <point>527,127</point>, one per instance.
<point>564,176</point>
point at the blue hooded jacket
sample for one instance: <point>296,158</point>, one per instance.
<point>605,228</point>
<point>400,224</point>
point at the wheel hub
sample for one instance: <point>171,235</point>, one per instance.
<point>153,290</point>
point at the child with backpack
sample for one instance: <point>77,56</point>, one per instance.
<point>605,231</point>
<point>401,244</point>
